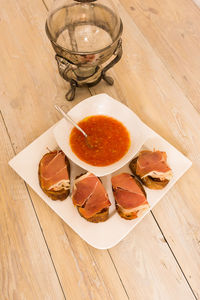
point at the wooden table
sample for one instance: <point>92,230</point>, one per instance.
<point>159,78</point>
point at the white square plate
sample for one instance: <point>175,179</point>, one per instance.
<point>101,235</point>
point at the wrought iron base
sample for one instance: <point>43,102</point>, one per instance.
<point>68,72</point>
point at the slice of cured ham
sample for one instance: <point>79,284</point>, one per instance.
<point>126,182</point>
<point>153,163</point>
<point>54,172</point>
<point>83,188</point>
<point>128,200</point>
<point>129,196</point>
<point>89,195</point>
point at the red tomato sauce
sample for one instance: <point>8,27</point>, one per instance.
<point>108,140</point>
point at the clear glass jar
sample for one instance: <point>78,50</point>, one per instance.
<point>83,27</point>
<point>84,34</point>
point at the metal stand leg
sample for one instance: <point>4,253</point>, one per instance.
<point>71,93</point>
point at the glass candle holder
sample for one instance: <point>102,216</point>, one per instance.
<point>86,36</point>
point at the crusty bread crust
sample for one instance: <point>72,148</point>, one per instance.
<point>101,216</point>
<point>130,215</point>
<point>148,181</point>
<point>54,195</point>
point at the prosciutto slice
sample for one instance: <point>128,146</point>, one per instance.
<point>90,195</point>
<point>126,182</point>
<point>83,188</point>
<point>152,161</point>
<point>53,171</point>
<point>128,194</point>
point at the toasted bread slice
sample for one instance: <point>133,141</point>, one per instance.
<point>127,216</point>
<point>130,215</point>
<point>99,217</point>
<point>60,194</point>
<point>150,182</point>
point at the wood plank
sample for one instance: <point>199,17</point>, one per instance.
<point>26,268</point>
<point>29,77</point>
<point>28,96</point>
<point>147,87</point>
<point>147,267</point>
<point>172,29</point>
<point>85,273</point>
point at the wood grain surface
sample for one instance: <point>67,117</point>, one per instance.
<point>158,78</point>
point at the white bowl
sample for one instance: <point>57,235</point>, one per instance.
<point>102,104</point>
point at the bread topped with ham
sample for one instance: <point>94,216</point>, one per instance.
<point>90,197</point>
<point>54,172</point>
<point>130,197</point>
<point>152,169</point>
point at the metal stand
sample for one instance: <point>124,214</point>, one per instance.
<point>66,70</point>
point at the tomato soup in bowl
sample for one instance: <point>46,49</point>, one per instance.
<point>108,140</point>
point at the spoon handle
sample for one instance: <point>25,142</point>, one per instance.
<point>67,117</point>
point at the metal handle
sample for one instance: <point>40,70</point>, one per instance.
<point>67,117</point>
